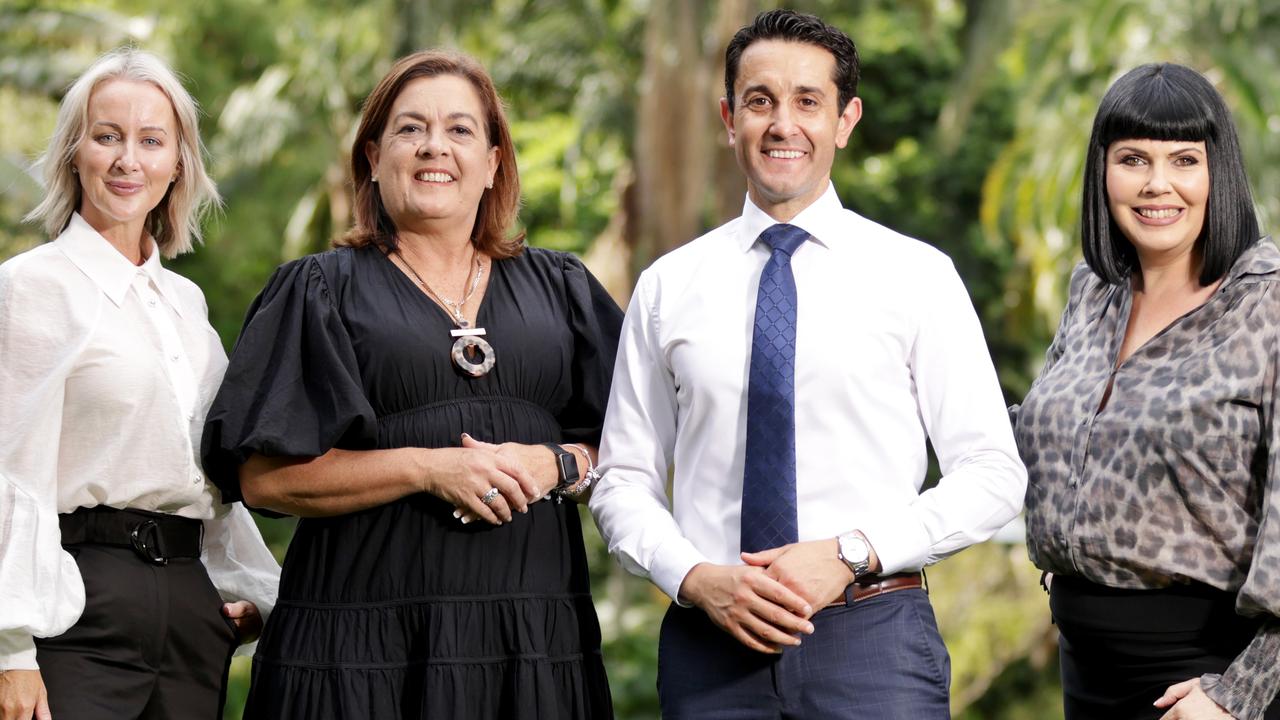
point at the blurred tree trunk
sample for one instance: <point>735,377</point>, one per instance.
<point>684,179</point>
<point>422,24</point>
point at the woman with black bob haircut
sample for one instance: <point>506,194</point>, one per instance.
<point>1151,436</point>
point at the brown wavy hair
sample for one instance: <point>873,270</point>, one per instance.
<point>498,206</point>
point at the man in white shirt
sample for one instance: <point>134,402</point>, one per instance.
<point>790,364</point>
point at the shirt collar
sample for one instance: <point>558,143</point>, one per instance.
<point>819,220</point>
<point>1261,258</point>
<point>106,267</point>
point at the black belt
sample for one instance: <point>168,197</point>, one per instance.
<point>156,537</point>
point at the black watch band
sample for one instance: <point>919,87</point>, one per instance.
<point>567,463</point>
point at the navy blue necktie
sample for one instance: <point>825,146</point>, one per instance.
<point>769,480</point>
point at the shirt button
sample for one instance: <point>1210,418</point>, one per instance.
<point>173,358</point>
<point>151,302</point>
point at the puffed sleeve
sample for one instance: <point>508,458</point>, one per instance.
<point>292,387</point>
<point>596,321</point>
<point>1252,681</point>
<point>43,328</point>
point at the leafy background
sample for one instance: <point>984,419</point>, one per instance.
<point>976,115</point>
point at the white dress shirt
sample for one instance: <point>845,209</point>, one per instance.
<point>889,351</point>
<point>106,372</point>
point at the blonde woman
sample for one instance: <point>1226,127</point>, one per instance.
<point>109,532</point>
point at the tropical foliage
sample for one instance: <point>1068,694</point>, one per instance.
<point>976,115</point>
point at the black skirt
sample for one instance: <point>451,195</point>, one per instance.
<point>401,611</point>
<point>1121,649</point>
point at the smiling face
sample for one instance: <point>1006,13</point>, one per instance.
<point>786,123</point>
<point>1157,192</point>
<point>127,158</point>
<point>433,160</point>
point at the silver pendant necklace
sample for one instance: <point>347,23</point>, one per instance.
<point>471,353</point>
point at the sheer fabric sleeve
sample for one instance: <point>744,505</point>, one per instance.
<point>1252,681</point>
<point>292,387</point>
<point>596,321</point>
<point>43,327</point>
<point>239,563</point>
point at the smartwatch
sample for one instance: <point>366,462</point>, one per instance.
<point>567,463</point>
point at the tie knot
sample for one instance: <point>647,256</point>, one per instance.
<point>784,237</point>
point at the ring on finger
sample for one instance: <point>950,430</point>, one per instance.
<point>489,496</point>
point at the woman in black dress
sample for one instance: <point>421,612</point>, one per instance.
<point>428,576</point>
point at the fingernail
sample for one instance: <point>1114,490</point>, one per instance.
<point>465,435</point>
<point>457,513</point>
<point>466,520</point>
<point>808,610</point>
<point>808,628</point>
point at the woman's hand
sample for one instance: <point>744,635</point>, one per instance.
<point>537,460</point>
<point>22,696</point>
<point>246,617</point>
<point>467,474</point>
<point>1187,701</point>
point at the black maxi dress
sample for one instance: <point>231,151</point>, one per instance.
<point>401,611</point>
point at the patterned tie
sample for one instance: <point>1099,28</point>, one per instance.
<point>769,481</point>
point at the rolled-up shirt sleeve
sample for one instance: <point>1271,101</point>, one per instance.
<point>41,592</point>
<point>630,504</point>
<point>962,408</point>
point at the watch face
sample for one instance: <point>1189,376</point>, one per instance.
<point>854,549</point>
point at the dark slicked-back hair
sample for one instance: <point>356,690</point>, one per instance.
<point>1168,102</point>
<point>796,27</point>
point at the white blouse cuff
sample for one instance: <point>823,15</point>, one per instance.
<point>17,651</point>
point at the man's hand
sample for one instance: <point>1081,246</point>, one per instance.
<point>811,569</point>
<point>22,696</point>
<point>1187,701</point>
<point>757,610</point>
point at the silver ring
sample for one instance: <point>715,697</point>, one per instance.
<point>490,496</point>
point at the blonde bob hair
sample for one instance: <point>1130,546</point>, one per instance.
<point>175,222</point>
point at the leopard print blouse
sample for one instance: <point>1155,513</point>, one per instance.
<point>1178,477</point>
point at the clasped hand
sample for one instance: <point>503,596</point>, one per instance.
<point>766,604</point>
<point>482,467</point>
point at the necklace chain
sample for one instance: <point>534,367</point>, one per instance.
<point>454,308</point>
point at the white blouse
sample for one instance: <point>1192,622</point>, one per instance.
<point>106,372</point>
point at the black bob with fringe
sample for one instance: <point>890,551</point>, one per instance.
<point>1165,101</point>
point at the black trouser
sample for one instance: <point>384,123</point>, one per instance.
<point>152,642</point>
<point>1120,649</point>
